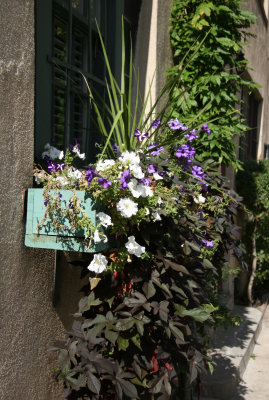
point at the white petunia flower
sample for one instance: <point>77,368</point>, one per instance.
<point>74,174</point>
<point>133,247</point>
<point>137,171</point>
<point>157,177</point>
<point>139,190</point>
<point>157,215</point>
<point>77,151</point>
<point>98,264</point>
<point>127,207</point>
<point>103,165</point>
<point>96,237</point>
<point>129,158</point>
<point>105,219</point>
<point>200,200</point>
<point>52,152</point>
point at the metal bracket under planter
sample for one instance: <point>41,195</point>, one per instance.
<point>46,237</point>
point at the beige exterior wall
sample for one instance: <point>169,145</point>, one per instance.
<point>257,55</point>
<point>29,323</point>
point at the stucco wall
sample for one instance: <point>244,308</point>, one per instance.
<point>29,323</point>
<point>257,55</point>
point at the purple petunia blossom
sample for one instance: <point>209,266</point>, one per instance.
<point>185,151</point>
<point>206,129</point>
<point>145,181</point>
<point>155,124</point>
<point>174,124</point>
<point>152,169</point>
<point>46,202</point>
<point>125,178</point>
<point>197,172</point>
<point>116,148</point>
<point>54,166</point>
<point>191,135</point>
<point>90,174</point>
<point>157,151</point>
<point>140,135</point>
<point>104,182</point>
<point>207,243</point>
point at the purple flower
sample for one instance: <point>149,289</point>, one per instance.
<point>201,214</point>
<point>60,195</point>
<point>54,166</point>
<point>116,148</point>
<point>205,186</point>
<point>206,129</point>
<point>90,174</point>
<point>185,151</point>
<point>218,198</point>
<point>46,202</point>
<point>140,135</point>
<point>174,124</point>
<point>125,178</point>
<point>191,135</point>
<point>155,124</point>
<point>152,169</point>
<point>197,172</point>
<point>145,181</point>
<point>104,182</point>
<point>157,151</point>
<point>207,243</point>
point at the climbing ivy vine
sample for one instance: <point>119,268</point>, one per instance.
<point>212,37</point>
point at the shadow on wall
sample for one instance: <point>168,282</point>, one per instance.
<point>70,283</point>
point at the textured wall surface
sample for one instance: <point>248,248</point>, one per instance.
<point>257,54</point>
<point>29,322</point>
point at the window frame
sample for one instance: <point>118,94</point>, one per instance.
<point>45,62</point>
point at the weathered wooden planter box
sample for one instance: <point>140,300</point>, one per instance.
<point>46,237</point>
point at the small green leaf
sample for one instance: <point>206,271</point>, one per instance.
<point>123,344</point>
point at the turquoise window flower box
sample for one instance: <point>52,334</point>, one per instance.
<point>44,235</point>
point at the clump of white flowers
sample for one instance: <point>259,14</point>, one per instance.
<point>133,247</point>
<point>98,264</point>
<point>127,207</point>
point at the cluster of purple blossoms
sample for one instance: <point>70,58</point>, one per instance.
<point>104,182</point>
<point>152,169</point>
<point>146,181</point>
<point>155,124</point>
<point>174,124</point>
<point>205,129</point>
<point>140,135</point>
<point>55,167</point>
<point>116,148</point>
<point>125,178</point>
<point>197,172</point>
<point>157,151</point>
<point>185,151</point>
<point>191,135</point>
<point>207,243</point>
<point>90,174</point>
